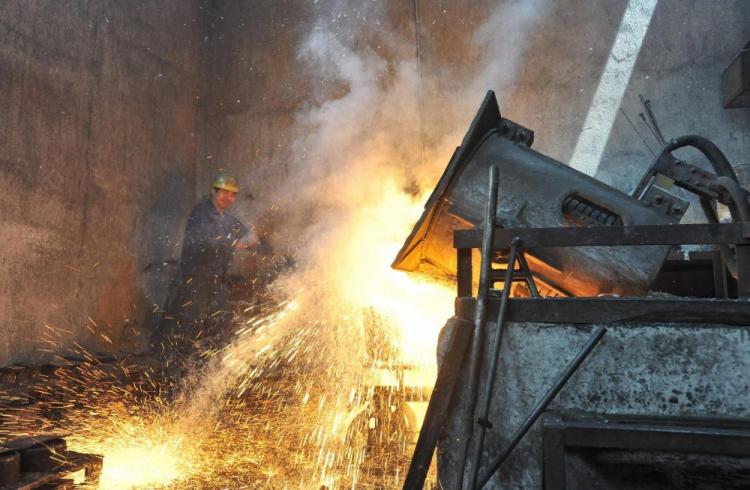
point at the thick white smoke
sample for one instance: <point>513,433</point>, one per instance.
<point>364,128</point>
<point>503,38</point>
<point>356,184</point>
<point>355,187</point>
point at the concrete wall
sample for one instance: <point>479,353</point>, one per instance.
<point>687,46</point>
<point>116,115</point>
<point>686,49</point>
<point>258,84</point>
<point>97,166</point>
<point>551,55</point>
<point>251,92</point>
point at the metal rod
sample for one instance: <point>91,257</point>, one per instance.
<point>651,122</point>
<point>480,314</point>
<point>484,407</point>
<point>542,405</point>
<point>529,276</point>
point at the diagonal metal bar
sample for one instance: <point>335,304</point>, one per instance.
<point>541,406</point>
<point>439,406</point>
<point>528,275</point>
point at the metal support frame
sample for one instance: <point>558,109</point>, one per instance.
<point>487,277</point>
<point>612,236</point>
<point>590,310</point>
<point>721,288</point>
<point>696,274</point>
<point>560,432</point>
<point>736,234</point>
<point>565,310</point>
<point>526,275</point>
<point>605,311</point>
<point>742,252</point>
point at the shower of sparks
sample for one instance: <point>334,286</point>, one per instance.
<point>310,393</point>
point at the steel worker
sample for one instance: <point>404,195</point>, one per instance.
<point>199,311</point>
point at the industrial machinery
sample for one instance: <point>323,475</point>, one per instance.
<point>538,192</point>
<point>661,400</point>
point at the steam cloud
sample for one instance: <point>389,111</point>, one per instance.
<point>358,145</point>
<point>367,150</point>
<point>366,127</point>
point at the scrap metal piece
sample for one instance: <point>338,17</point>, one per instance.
<point>43,457</point>
<point>33,462</point>
<point>92,465</point>
<point>650,120</point>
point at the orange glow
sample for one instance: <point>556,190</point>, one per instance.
<point>415,306</point>
<point>280,407</point>
<point>149,457</point>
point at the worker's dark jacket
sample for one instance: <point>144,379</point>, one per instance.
<point>200,307</point>
<point>209,242</point>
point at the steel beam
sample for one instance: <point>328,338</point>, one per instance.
<point>696,311</point>
<point>605,236</point>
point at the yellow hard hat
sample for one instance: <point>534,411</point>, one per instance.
<point>227,182</point>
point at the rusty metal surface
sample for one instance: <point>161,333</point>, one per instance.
<point>533,190</point>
